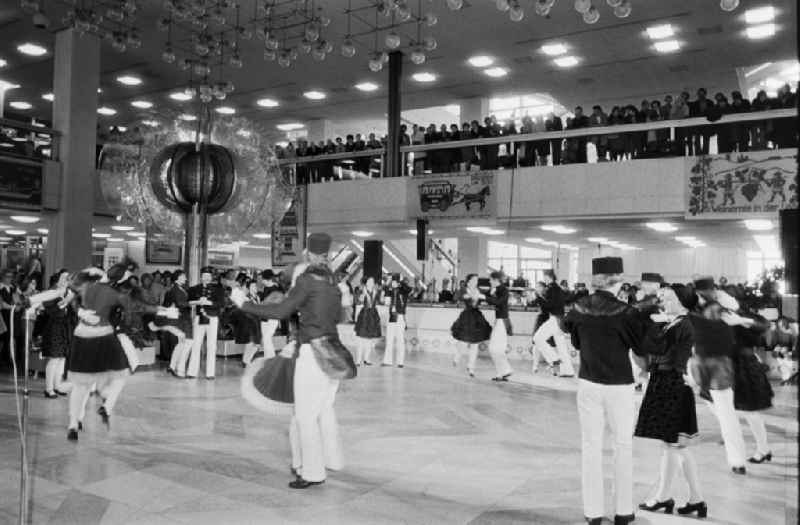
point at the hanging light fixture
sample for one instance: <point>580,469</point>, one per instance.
<point>516,13</point>
<point>591,16</point>
<point>623,10</point>
<point>728,5</point>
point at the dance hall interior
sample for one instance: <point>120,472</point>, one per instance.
<point>399,262</point>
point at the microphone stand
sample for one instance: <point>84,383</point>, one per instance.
<point>24,495</point>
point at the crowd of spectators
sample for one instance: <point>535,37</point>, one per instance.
<point>730,136</point>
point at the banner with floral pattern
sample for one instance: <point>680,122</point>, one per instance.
<point>754,183</point>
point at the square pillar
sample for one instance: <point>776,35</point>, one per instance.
<point>76,77</point>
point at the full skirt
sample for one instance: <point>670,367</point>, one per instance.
<point>93,355</point>
<point>268,385</point>
<point>471,327</point>
<point>368,323</point>
<point>56,335</point>
<point>751,390</point>
<point>668,409</point>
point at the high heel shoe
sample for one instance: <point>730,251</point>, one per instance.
<point>756,459</point>
<point>668,505</point>
<point>48,395</point>
<point>105,416</point>
<point>739,470</point>
<point>700,508</point>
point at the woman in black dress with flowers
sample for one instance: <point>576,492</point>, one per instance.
<point>471,327</point>
<point>668,409</point>
<point>368,323</point>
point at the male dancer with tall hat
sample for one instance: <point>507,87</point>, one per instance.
<point>208,298</point>
<point>316,297</point>
<point>396,327</point>
<point>603,329</point>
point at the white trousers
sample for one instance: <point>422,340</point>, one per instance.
<point>267,331</point>
<point>180,355</point>
<point>313,432</point>
<point>599,404</point>
<point>209,333</point>
<point>550,328</point>
<point>498,343</point>
<point>729,426</point>
<point>364,349</point>
<point>472,355</point>
<point>395,334</point>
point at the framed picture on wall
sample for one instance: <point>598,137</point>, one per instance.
<point>158,252</point>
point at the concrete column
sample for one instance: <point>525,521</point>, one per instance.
<point>319,129</point>
<point>476,108</point>
<point>473,256</point>
<point>394,160</point>
<point>76,77</point>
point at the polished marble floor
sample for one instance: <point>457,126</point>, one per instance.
<point>424,444</point>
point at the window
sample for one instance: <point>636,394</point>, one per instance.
<point>517,260</point>
<point>757,263</point>
<point>516,107</point>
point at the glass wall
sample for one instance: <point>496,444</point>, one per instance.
<point>516,260</point>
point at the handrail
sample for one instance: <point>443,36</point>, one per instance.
<point>551,135</point>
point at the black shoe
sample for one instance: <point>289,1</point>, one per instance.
<point>105,416</point>
<point>505,377</point>
<point>191,377</point>
<point>739,470</point>
<point>59,392</point>
<point>624,520</point>
<point>80,425</point>
<point>700,508</point>
<point>400,366</point>
<point>48,395</point>
<point>384,364</point>
<point>172,372</point>
<point>301,483</point>
<point>210,378</point>
<point>755,459</point>
<point>244,365</point>
<point>594,521</point>
<point>668,505</point>
<point>294,471</point>
<point>72,435</point>
<point>367,363</point>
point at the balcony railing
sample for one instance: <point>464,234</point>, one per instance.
<point>663,138</point>
<point>28,141</point>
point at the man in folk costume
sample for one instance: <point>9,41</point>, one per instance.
<point>321,362</point>
<point>498,342</point>
<point>553,302</point>
<point>208,298</point>
<point>603,329</point>
<point>396,327</point>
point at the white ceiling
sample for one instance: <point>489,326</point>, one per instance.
<point>617,62</point>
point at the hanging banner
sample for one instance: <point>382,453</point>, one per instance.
<point>469,195</point>
<point>741,184</point>
<point>289,234</point>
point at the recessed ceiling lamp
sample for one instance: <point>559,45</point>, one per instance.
<point>558,228</point>
<point>48,97</point>
<point>142,104</point>
<point>481,61</point>
<point>759,15</point>
<point>187,117</point>
<point>101,235</point>
<point>424,77</point>
<point>136,234</point>
<point>180,96</point>
<point>43,231</point>
<point>484,230</point>
<point>267,103</point>
<point>5,86</point>
<point>760,31</point>
<point>359,233</point>
<point>21,105</point>
<point>25,219</point>
<point>115,239</point>
<point>3,63</point>
<point>568,61</point>
<point>659,32</point>
<point>120,228</point>
<point>107,111</point>
<point>291,126</point>
<point>496,72</point>
<point>598,240</point>
<point>367,86</point>
<point>16,232</point>
<point>554,50</point>
<point>667,46</point>
<point>225,110</point>
<point>314,95</point>
<point>664,227</point>
<point>758,224</point>
<point>414,232</point>
<point>129,80</point>
<point>262,235</point>
<point>31,49</point>
<point>534,240</point>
